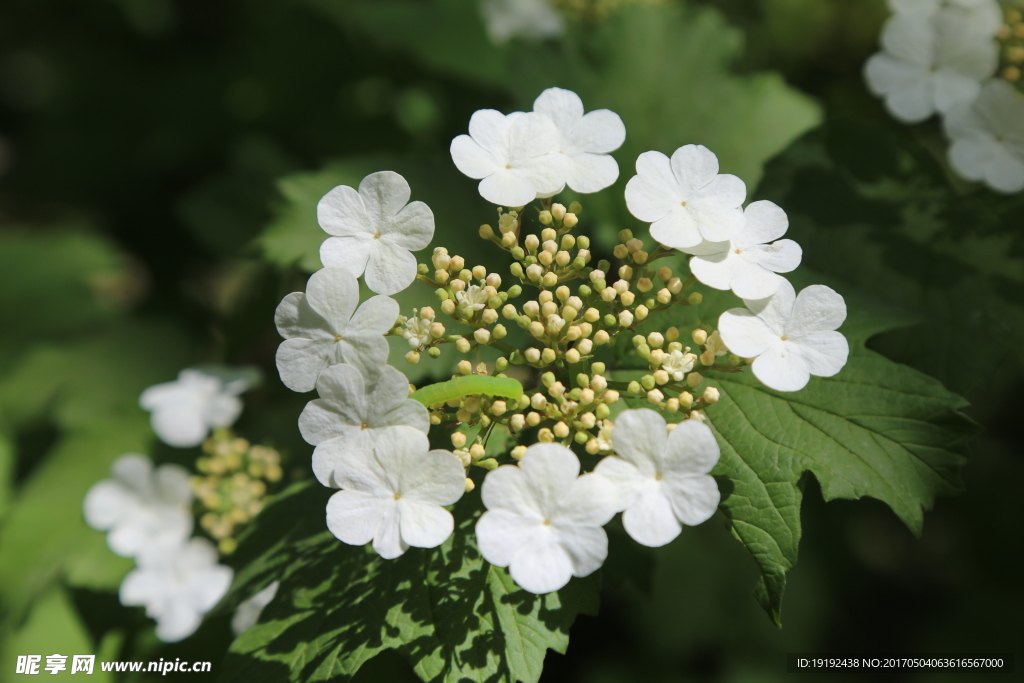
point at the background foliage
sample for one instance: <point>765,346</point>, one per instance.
<point>160,161</point>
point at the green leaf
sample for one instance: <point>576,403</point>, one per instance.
<point>451,614</point>
<point>877,429</point>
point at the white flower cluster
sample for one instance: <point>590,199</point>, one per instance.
<point>693,208</point>
<point>147,514</point>
<point>544,519</point>
<point>941,57</point>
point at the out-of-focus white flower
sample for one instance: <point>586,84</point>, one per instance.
<point>374,230</point>
<point>248,611</point>
<point>747,264</point>
<point>514,156</point>
<point>393,493</point>
<point>930,61</point>
<point>988,138</point>
<point>543,520</point>
<point>685,199</point>
<point>531,19</point>
<point>177,585</point>
<point>347,417</point>
<point>662,478</point>
<point>982,15</point>
<point>184,411</point>
<point>140,507</point>
<point>322,328</point>
<point>585,139</point>
<point>792,337</point>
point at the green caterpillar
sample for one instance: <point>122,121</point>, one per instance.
<point>468,386</point>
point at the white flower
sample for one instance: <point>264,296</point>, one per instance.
<point>930,62</point>
<point>473,298</point>
<point>533,19</point>
<point>543,521</point>
<point>515,156</point>
<point>393,494</point>
<point>684,198</point>
<point>417,332</point>
<point>792,336</point>
<point>375,229</point>
<point>322,327</point>
<point>988,138</point>
<point>347,416</point>
<point>248,611</point>
<point>982,15</point>
<point>677,364</point>
<point>184,411</point>
<point>586,139</point>
<point>662,478</point>
<point>177,585</point>
<point>140,506</point>
<point>747,264</point>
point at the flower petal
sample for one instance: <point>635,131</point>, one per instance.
<point>600,131</point>
<point>507,488</point>
<point>624,476</point>
<point>745,334</point>
<point>563,107</point>
<point>551,469</point>
<point>653,191</point>
<point>347,462</point>
<point>586,546</point>
<point>350,252</point>
<point>650,520</point>
<point>334,294</point>
<point>424,525</point>
<point>817,309</point>
<point>782,368</point>
<point>508,187</point>
<point>501,533</point>
<point>825,353</point>
<point>542,566</point>
<point>342,212</point>
<point>436,477</point>
<point>591,172</point>
<point>694,498</point>
<point>390,268</point>
<point>295,318</point>
<point>691,449</point>
<point>299,362</point>
<point>411,228</point>
<point>354,517</point>
<point>388,540</point>
<point>472,159</point>
<point>751,281</point>
<point>640,436</point>
<point>694,167</point>
<point>677,229</point>
<point>764,222</point>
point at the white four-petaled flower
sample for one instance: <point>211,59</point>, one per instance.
<point>374,230</point>
<point>988,138</point>
<point>323,327</point>
<point>792,337</point>
<point>177,585</point>
<point>585,140</point>
<point>347,416</point>
<point>185,410</point>
<point>514,156</point>
<point>685,199</point>
<point>931,60</point>
<point>662,478</point>
<point>747,264</point>
<point>140,506</point>
<point>543,520</point>
<point>393,493</point>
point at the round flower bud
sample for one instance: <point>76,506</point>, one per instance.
<point>585,347</point>
<point>625,318</point>
<point>707,358</point>
<point>545,435</point>
<point>601,337</point>
<point>545,217</point>
<point>593,447</point>
<point>412,357</point>
<point>634,388</point>
<point>694,379</point>
<point>532,355</point>
<point>568,242</point>
<point>518,452</point>
<point>532,243</point>
<point>672,334</point>
<point>499,332</point>
<point>447,306</point>
<point>533,419</point>
<point>572,356</point>
<point>537,329</point>
<point>672,405</point>
<point>644,284</point>
<point>547,379</point>
<point>640,257</point>
<point>561,430</point>
<point>457,263</point>
<point>548,234</point>
<point>517,422</point>
<point>570,220</point>
<point>548,308</point>
<point>625,235</point>
<point>516,269</point>
<point>435,419</point>
<point>586,396</point>
<point>596,275</point>
<point>574,332</point>
<point>477,451</point>
<point>509,311</point>
<point>558,211</point>
<point>508,239</point>
<point>620,251</point>
<point>655,396</point>
<point>655,340</point>
<point>711,395</point>
<point>489,316</point>
<point>534,272</point>
<point>569,313</point>
<point>620,286</point>
<point>695,299</point>
<point>700,337</point>
<point>663,296</point>
<point>514,291</point>
<point>545,258</point>
<point>642,312</point>
<point>602,411</point>
<point>661,377</point>
<point>462,345</point>
<point>441,276</point>
<point>657,356</point>
<point>608,294</point>
<point>644,351</point>
<point>648,382</point>
<point>434,352</point>
<point>547,356</point>
<point>627,298</point>
<point>499,408</point>
<point>482,336</point>
<point>531,308</point>
<point>464,367</point>
<point>698,415</point>
<point>562,258</point>
<point>458,285</point>
<point>625,272</point>
<point>550,246</point>
<point>549,280</point>
<point>440,258</point>
<point>675,285</point>
<point>486,231</point>
<point>458,439</point>
<point>562,293</point>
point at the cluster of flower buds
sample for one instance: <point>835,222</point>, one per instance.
<point>233,485</point>
<point>1011,40</point>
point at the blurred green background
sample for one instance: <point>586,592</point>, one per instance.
<point>160,161</point>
